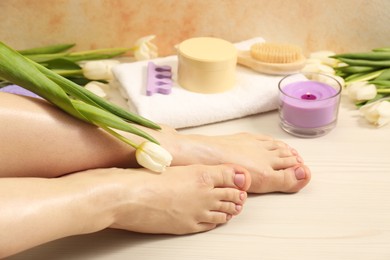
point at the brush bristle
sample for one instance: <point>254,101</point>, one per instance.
<point>275,52</point>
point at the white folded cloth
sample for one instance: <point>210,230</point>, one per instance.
<point>253,93</point>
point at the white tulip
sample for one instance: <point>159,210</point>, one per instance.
<point>98,88</point>
<point>341,65</point>
<point>153,157</point>
<point>339,79</point>
<point>324,57</point>
<point>144,49</point>
<point>361,90</point>
<point>318,68</point>
<point>377,113</point>
<point>99,69</point>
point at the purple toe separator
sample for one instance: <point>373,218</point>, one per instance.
<point>159,79</point>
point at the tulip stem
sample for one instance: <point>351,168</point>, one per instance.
<point>101,51</point>
<point>119,136</point>
<point>383,91</point>
<point>66,73</point>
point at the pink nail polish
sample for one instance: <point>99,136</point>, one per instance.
<point>300,173</point>
<point>242,196</point>
<point>238,208</point>
<point>239,180</point>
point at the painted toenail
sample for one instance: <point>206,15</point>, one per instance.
<point>239,180</point>
<point>238,208</point>
<point>300,173</point>
<point>242,196</point>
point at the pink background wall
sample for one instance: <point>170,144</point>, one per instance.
<point>339,25</point>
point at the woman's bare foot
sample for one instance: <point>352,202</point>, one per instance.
<point>274,166</point>
<point>183,199</point>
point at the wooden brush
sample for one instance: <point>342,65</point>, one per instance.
<point>273,58</point>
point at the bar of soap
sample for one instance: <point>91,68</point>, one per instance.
<point>206,65</point>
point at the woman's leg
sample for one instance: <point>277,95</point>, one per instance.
<point>180,200</point>
<point>39,140</point>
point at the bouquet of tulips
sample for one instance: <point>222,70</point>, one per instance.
<point>33,70</point>
<point>365,76</point>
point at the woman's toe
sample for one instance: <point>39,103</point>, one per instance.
<point>288,180</point>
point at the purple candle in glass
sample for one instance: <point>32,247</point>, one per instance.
<point>308,108</point>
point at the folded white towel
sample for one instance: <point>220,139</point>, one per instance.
<point>254,93</point>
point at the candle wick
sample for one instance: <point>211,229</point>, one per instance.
<point>308,96</point>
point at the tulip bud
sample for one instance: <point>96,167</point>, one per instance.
<point>98,88</point>
<point>340,80</point>
<point>318,68</point>
<point>153,157</point>
<point>360,91</point>
<point>145,50</point>
<point>99,69</point>
<point>324,57</point>
<point>377,113</point>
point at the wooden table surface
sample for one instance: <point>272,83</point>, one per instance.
<point>344,212</point>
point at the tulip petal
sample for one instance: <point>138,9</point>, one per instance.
<point>377,113</point>
<point>153,156</point>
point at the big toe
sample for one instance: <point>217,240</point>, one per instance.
<point>233,176</point>
<point>288,180</point>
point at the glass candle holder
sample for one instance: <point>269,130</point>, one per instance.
<point>308,103</point>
